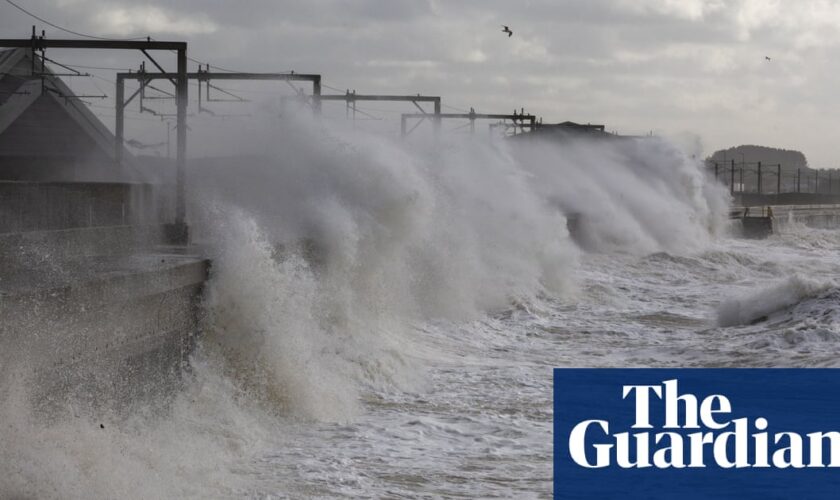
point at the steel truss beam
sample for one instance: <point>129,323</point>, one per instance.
<point>350,99</point>
<point>518,119</point>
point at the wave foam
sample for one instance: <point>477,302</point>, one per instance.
<point>749,307</point>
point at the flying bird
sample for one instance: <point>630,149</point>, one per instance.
<point>767,57</point>
<point>507,30</point>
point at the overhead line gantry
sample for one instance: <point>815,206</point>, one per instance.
<point>518,119</point>
<point>207,76</point>
<point>179,78</point>
<point>350,99</point>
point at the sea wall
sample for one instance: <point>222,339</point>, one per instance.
<point>96,307</point>
<point>757,200</point>
<point>34,206</point>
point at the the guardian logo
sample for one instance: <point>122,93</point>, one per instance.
<point>694,429</point>
<point>696,433</point>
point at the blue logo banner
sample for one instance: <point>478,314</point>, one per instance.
<point>696,433</point>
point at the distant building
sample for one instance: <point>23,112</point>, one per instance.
<point>567,125</point>
<point>567,130</point>
<point>48,134</point>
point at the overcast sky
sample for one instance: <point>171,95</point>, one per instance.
<point>675,67</point>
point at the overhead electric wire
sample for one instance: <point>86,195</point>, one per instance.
<point>380,110</point>
<point>112,82</point>
<point>461,110</point>
<point>48,23</point>
<point>215,67</point>
<point>332,88</point>
<point>135,118</point>
<point>79,73</point>
<point>99,89</point>
<point>253,91</point>
<point>455,108</point>
<point>74,67</point>
<point>103,68</point>
<point>85,35</point>
<point>366,114</point>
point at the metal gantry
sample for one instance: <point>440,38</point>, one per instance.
<point>350,99</point>
<point>518,119</point>
<point>179,78</point>
<point>145,78</point>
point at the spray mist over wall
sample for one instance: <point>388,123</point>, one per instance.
<point>330,249</point>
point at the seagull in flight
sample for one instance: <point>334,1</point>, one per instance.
<point>767,57</point>
<point>507,30</point>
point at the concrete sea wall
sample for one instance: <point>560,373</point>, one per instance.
<point>95,306</point>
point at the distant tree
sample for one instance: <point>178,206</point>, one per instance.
<point>790,159</point>
<point>747,156</point>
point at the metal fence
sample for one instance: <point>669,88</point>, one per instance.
<point>773,178</point>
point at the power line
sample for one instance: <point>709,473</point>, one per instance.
<point>76,67</point>
<point>254,91</point>
<point>112,82</point>
<point>13,4</point>
<point>85,35</point>
<point>99,89</point>
<point>135,118</point>
<point>332,88</point>
<point>104,68</point>
<point>370,116</point>
<point>453,107</point>
<point>215,67</point>
<point>381,110</point>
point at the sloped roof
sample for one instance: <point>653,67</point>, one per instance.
<point>19,90</point>
<point>587,126</point>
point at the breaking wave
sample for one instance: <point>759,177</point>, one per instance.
<point>330,259</point>
<point>328,253</point>
<point>749,307</point>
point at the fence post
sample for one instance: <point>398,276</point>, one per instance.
<point>759,177</point>
<point>799,180</point>
<point>732,179</point>
<point>779,179</point>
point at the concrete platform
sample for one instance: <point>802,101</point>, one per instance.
<point>97,308</point>
<point>39,206</point>
<point>103,331</point>
<point>825,216</point>
<point>760,222</point>
<point>36,248</point>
